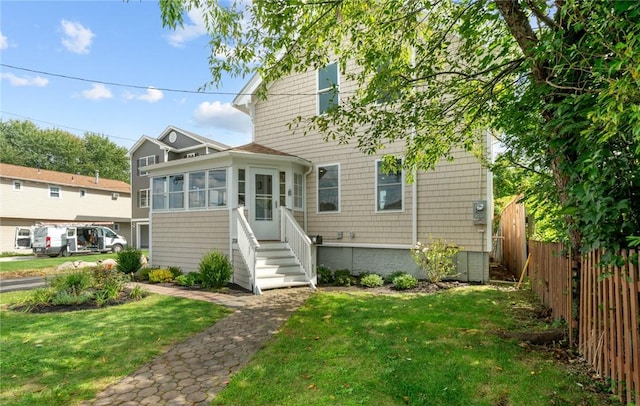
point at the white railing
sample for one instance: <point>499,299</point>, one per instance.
<point>248,244</point>
<point>300,244</point>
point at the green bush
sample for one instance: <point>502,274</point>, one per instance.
<point>325,274</point>
<point>371,281</point>
<point>404,282</point>
<point>215,270</point>
<point>175,271</point>
<point>76,281</point>
<point>160,276</point>
<point>389,278</point>
<point>189,279</point>
<point>342,277</point>
<point>437,258</point>
<point>143,274</point>
<point>129,260</point>
<point>108,278</point>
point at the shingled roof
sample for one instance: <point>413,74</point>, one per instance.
<point>63,179</point>
<point>259,149</point>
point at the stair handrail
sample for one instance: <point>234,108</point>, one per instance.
<point>300,244</point>
<point>248,244</point>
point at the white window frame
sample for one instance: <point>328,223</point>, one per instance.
<point>17,185</point>
<point>83,193</point>
<point>52,193</point>
<point>147,194</point>
<point>325,90</point>
<point>198,191</point>
<point>146,160</point>
<point>210,205</point>
<point>171,179</point>
<point>318,189</point>
<point>298,191</point>
<point>164,193</point>
<point>377,198</point>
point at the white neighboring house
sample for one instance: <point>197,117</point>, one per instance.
<point>31,195</point>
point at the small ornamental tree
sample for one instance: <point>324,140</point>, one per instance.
<point>437,258</point>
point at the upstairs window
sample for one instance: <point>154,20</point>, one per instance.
<point>17,185</point>
<point>328,88</point>
<point>54,191</point>
<point>83,193</point>
<point>328,188</point>
<point>388,188</point>
<point>143,198</point>
<point>145,161</point>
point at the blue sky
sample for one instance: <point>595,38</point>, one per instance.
<point>44,44</point>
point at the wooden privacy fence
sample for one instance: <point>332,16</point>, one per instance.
<point>609,316</point>
<point>513,235</point>
<point>609,322</point>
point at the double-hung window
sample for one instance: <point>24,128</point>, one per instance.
<point>143,198</point>
<point>297,190</point>
<point>328,88</point>
<point>389,190</point>
<point>145,161</point>
<point>329,188</point>
<point>54,191</point>
<point>217,188</point>
<point>197,190</point>
<point>159,193</point>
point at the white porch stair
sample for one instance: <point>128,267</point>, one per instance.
<point>278,267</point>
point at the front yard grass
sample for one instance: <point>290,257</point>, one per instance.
<point>439,349</point>
<point>64,358</point>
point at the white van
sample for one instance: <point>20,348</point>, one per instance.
<point>64,240</point>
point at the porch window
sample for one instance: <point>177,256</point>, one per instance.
<point>197,190</point>
<point>241,186</point>
<point>283,189</point>
<point>297,190</point>
<point>329,188</point>
<point>145,161</point>
<point>159,193</point>
<point>54,191</point>
<point>176,192</point>
<point>217,188</point>
<point>328,88</point>
<point>143,198</point>
<point>388,188</point>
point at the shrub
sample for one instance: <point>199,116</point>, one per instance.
<point>160,276</point>
<point>175,271</point>
<point>405,281</point>
<point>372,281</point>
<point>437,258</point>
<point>143,274</point>
<point>215,270</point>
<point>108,278</point>
<point>325,274</point>
<point>74,281</point>
<point>137,292</point>
<point>342,277</point>
<point>70,297</point>
<point>189,279</point>
<point>129,260</point>
<point>389,278</point>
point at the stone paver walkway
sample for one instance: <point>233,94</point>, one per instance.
<point>193,372</point>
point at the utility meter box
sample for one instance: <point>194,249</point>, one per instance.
<point>480,212</point>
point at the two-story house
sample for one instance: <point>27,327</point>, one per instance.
<point>173,143</point>
<point>293,188</point>
<point>32,195</point>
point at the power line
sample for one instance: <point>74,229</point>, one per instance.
<point>66,127</point>
<point>164,89</point>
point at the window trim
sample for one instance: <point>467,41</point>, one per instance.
<point>185,192</point>
<point>226,189</point>
<point>202,190</point>
<point>51,187</point>
<point>19,185</point>
<point>402,190</point>
<point>170,179</point>
<point>324,90</point>
<point>165,194</point>
<point>295,191</point>
<point>148,193</point>
<point>141,171</point>
<point>318,211</point>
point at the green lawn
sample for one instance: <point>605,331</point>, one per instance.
<point>45,265</point>
<point>348,349</point>
<point>64,358</point>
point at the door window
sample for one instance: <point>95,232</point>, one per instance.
<point>264,197</point>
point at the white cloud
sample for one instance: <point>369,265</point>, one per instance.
<point>4,41</point>
<point>196,28</point>
<point>98,91</point>
<point>222,115</point>
<point>37,81</point>
<point>153,95</point>
<point>77,38</point>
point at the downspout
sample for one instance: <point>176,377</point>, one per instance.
<point>305,198</point>
<point>414,212</point>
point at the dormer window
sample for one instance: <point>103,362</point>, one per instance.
<point>328,88</point>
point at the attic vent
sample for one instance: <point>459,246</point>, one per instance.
<point>191,155</point>
<point>115,196</point>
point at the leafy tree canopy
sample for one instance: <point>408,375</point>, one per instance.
<point>558,81</point>
<point>23,143</point>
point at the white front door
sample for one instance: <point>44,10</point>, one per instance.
<point>263,210</point>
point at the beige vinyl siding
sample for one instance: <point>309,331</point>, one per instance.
<point>444,197</point>
<point>182,238</point>
<point>241,275</point>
